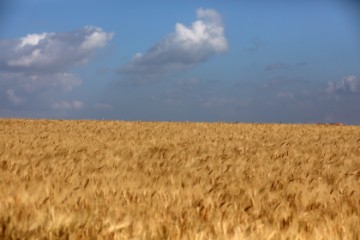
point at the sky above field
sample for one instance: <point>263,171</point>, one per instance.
<point>233,61</point>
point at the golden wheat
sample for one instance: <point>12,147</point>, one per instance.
<point>148,180</point>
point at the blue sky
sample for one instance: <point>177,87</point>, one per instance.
<point>233,61</point>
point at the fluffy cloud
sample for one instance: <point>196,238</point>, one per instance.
<point>51,52</point>
<point>348,84</point>
<point>185,47</point>
<point>36,65</point>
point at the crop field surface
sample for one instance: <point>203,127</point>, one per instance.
<point>167,180</point>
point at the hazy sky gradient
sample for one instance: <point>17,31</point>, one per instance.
<point>237,61</point>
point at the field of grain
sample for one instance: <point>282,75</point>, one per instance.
<point>152,180</point>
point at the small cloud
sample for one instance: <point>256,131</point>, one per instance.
<point>277,66</point>
<point>184,48</point>
<point>103,106</point>
<point>64,105</point>
<point>95,38</point>
<point>31,40</point>
<point>13,98</point>
<point>346,85</point>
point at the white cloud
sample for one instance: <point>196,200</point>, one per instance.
<point>64,105</point>
<point>35,67</point>
<point>348,84</point>
<point>32,39</point>
<point>185,47</point>
<point>52,51</point>
<point>95,38</point>
<point>13,98</point>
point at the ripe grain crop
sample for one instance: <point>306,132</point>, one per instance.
<point>161,180</point>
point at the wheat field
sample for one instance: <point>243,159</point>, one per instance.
<point>166,180</point>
